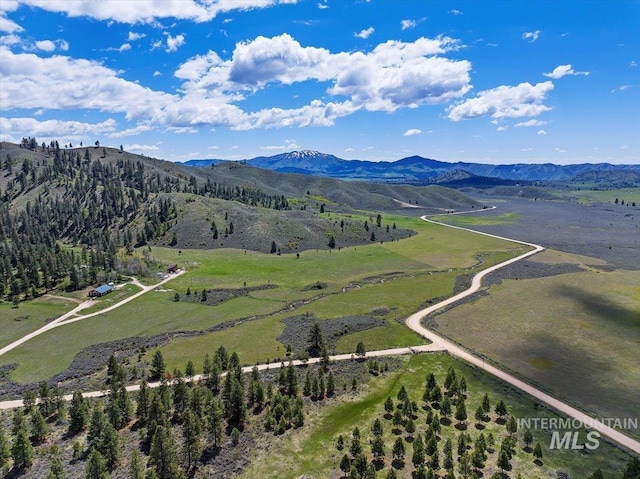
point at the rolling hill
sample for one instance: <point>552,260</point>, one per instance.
<point>76,216</point>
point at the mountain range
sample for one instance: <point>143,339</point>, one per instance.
<point>414,169</point>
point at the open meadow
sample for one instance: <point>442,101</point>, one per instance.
<point>393,277</point>
<point>567,319</point>
<point>30,315</point>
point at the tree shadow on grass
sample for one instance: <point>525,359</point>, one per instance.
<point>603,308</point>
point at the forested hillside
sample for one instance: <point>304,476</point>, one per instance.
<point>52,198</point>
<point>77,216</point>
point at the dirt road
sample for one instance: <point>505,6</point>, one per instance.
<point>69,318</point>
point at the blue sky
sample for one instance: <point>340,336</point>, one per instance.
<point>492,82</point>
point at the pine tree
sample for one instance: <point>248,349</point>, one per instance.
<point>331,387</point>
<point>56,470</point>
<point>158,366</point>
<point>39,427</point>
<point>398,450</point>
<point>461,412</point>
<point>503,461</point>
<point>96,466</point>
<point>215,422</point>
<point>486,405</point>
<point>445,407</point>
<point>388,405</point>
<point>403,395</point>
<point>5,452</point>
<point>418,456</point>
<point>479,414</point>
<point>109,445</point>
<point>162,455</point>
<point>136,471</point>
<point>191,430</point>
<point>345,464</point>
<point>465,466</point>
<point>501,409</point>
<point>376,429</point>
<point>316,339</point>
<point>78,413</point>
<point>96,426</point>
<point>410,427</point>
<point>377,449</point>
<point>537,451</point>
<point>22,450</point>
<point>448,463</point>
<point>356,446</point>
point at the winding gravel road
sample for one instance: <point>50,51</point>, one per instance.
<point>414,322</point>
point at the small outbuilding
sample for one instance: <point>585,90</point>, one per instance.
<point>172,268</point>
<point>101,290</point>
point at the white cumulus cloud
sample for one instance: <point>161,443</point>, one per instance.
<point>9,26</point>
<point>563,70</point>
<point>146,11</point>
<point>530,123</point>
<point>406,24</point>
<point>173,43</point>
<point>412,131</point>
<point>50,45</point>
<point>542,132</point>
<point>142,148</point>
<point>364,34</point>
<point>64,83</point>
<point>394,75</point>
<point>45,45</point>
<point>133,36</point>
<point>55,129</point>
<point>531,36</point>
<point>505,102</point>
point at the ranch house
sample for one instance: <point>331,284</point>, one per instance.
<point>101,291</point>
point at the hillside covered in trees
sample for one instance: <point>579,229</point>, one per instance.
<point>74,216</point>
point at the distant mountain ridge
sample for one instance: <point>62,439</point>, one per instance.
<point>413,169</point>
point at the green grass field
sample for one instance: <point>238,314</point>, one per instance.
<point>629,195</point>
<point>577,334</point>
<point>435,249</point>
<point>29,316</point>
<point>112,298</point>
<point>312,451</point>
